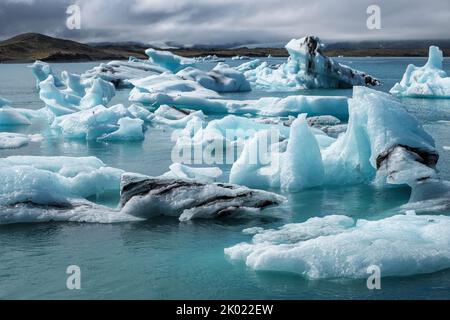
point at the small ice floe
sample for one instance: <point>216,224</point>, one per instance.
<point>307,67</point>
<point>9,140</point>
<point>208,59</point>
<point>147,197</point>
<point>201,174</point>
<point>240,58</point>
<point>429,81</point>
<point>250,65</point>
<point>336,246</point>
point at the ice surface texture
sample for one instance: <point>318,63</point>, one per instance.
<point>306,67</point>
<point>428,81</point>
<point>340,247</point>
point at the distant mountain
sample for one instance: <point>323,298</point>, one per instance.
<point>34,46</point>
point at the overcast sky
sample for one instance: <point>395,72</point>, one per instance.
<point>226,21</point>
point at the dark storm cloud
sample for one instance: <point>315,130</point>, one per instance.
<point>219,21</point>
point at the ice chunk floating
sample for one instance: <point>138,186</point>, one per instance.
<point>340,247</point>
<point>429,81</point>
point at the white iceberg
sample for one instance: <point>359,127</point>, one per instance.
<point>340,247</point>
<point>168,60</point>
<point>129,130</point>
<point>66,101</point>
<point>307,67</point>
<point>10,140</point>
<point>221,78</point>
<point>54,189</point>
<point>428,81</point>
<point>169,89</point>
<point>99,122</point>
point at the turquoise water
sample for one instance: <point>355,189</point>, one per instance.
<point>166,259</point>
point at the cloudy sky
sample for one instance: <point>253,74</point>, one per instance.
<point>226,21</point>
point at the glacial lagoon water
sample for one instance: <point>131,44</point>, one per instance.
<point>165,259</point>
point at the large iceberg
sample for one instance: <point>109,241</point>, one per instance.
<point>307,67</point>
<point>147,197</point>
<point>340,247</point>
<point>374,148</point>
<point>427,81</point>
<point>221,78</point>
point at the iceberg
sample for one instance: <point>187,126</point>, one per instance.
<point>429,81</point>
<point>41,71</point>
<point>169,89</point>
<point>9,140</point>
<point>55,189</point>
<point>147,197</point>
<point>307,68</point>
<point>11,116</point>
<point>168,60</point>
<point>68,100</point>
<point>340,247</point>
<point>373,149</point>
<point>200,174</point>
<point>120,73</point>
<point>208,59</point>
<point>221,78</point>
<point>98,122</point>
<point>129,130</point>
<point>247,66</point>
